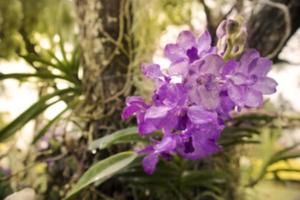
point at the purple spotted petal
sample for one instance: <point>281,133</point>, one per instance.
<point>145,127</point>
<point>246,59</point>
<point>253,98</point>
<point>157,112</point>
<point>236,94</point>
<point>186,40</point>
<point>230,67</point>
<point>203,148</point>
<point>150,162</point>
<point>152,71</point>
<point>245,96</point>
<point>134,105</point>
<point>137,100</point>
<point>198,115</point>
<point>204,41</point>
<point>174,52</point>
<point>209,98</point>
<point>164,148</point>
<point>239,79</point>
<point>179,68</point>
<point>129,111</point>
<point>167,144</point>
<point>260,66</point>
<point>212,64</point>
<point>265,85</point>
<point>226,106</point>
<point>199,143</point>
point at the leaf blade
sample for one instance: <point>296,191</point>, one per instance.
<point>103,170</point>
<point>124,135</point>
<point>30,113</point>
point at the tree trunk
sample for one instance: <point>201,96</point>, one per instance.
<point>106,45</point>
<point>272,26</point>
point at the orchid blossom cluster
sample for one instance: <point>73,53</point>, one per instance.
<point>215,80</point>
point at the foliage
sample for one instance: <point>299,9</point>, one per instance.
<point>21,28</point>
<point>102,170</point>
<point>186,177</point>
<point>67,70</point>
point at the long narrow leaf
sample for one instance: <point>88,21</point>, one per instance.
<point>121,136</point>
<point>62,49</point>
<point>28,75</point>
<point>103,170</point>
<point>39,59</point>
<point>42,132</point>
<point>30,113</point>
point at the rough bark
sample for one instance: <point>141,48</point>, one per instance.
<point>267,27</point>
<point>106,44</point>
<point>271,24</point>
<point>106,51</point>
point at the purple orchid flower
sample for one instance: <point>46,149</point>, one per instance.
<point>247,81</point>
<point>191,113</point>
<point>199,142</point>
<point>203,81</point>
<point>161,148</point>
<point>186,50</point>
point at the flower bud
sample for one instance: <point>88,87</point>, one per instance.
<point>232,27</point>
<point>232,38</point>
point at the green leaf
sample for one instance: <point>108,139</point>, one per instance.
<point>120,136</point>
<point>204,178</point>
<point>42,132</point>
<point>103,170</point>
<point>40,59</point>
<point>75,60</point>
<point>62,49</point>
<point>28,75</point>
<point>36,58</point>
<point>33,111</point>
<point>284,170</point>
<point>285,156</point>
<point>267,117</point>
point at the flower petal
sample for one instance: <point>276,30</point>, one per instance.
<point>260,66</point>
<point>209,97</point>
<point>246,59</point>
<point>179,68</point>
<point>239,79</point>
<point>212,64</point>
<point>155,112</point>
<point>204,41</point>
<point>245,96</point>
<point>200,143</point>
<point>146,127</point>
<point>167,144</point>
<point>230,67</point>
<point>236,94</point>
<point>186,40</point>
<point>150,162</point>
<point>174,52</point>
<point>253,98</point>
<point>265,85</point>
<point>198,115</point>
<point>135,100</point>
<point>152,71</point>
<point>129,111</point>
